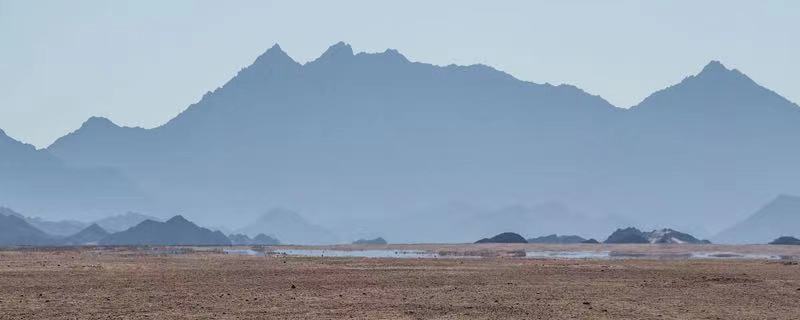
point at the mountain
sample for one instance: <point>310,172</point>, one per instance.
<point>123,221</point>
<point>89,236</point>
<point>556,239</point>
<point>15,231</point>
<point>351,133</point>
<point>374,136</point>
<point>661,236</point>
<point>505,237</point>
<point>779,217</point>
<point>290,227</point>
<point>36,182</point>
<point>175,231</point>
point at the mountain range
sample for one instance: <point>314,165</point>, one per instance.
<point>779,217</point>
<point>374,136</point>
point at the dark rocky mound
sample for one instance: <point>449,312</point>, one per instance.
<point>591,241</point>
<point>786,240</point>
<point>260,239</point>
<point>556,239</point>
<point>175,231</point>
<point>627,235</point>
<point>377,240</point>
<point>265,240</point>
<point>671,236</point>
<point>16,231</point>
<point>88,236</point>
<point>505,237</point>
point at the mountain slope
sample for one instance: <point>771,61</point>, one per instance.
<point>15,231</point>
<point>290,228</point>
<point>780,217</point>
<point>89,236</point>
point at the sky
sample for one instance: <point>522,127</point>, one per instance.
<point>140,63</point>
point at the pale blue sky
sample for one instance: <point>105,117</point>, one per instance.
<point>142,62</point>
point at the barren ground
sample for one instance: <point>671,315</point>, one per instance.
<point>137,284</point>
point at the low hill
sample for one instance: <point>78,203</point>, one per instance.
<point>786,240</point>
<point>661,236</point>
<point>505,237</point>
<point>175,231</point>
<point>556,239</point>
<point>377,240</point>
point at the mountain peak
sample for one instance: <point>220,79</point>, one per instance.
<point>337,51</point>
<point>178,219</point>
<point>714,66</point>
<point>274,55</point>
<point>98,122</point>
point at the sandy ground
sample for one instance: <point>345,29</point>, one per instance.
<point>137,284</point>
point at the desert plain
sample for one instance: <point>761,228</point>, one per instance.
<point>462,282</point>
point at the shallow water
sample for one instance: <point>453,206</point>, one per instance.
<point>601,255</point>
<point>244,252</point>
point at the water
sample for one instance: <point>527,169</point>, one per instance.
<point>243,252</point>
<point>410,254</point>
<point>604,255</point>
<point>568,254</point>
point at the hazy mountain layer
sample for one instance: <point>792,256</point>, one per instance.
<point>376,137</point>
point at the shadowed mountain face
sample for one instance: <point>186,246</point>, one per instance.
<point>377,136</point>
<point>89,236</point>
<point>35,182</point>
<point>778,218</point>
<point>175,231</point>
<point>662,236</point>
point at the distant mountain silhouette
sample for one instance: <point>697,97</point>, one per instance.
<point>123,221</point>
<point>290,228</point>
<point>377,240</point>
<point>35,182</point>
<point>175,231</point>
<point>556,239</point>
<point>505,237</point>
<point>786,240</point>
<point>627,235</point>
<point>55,228</point>
<point>15,231</point>
<point>779,217</point>
<point>374,136</point>
<point>260,239</point>
<point>89,236</point>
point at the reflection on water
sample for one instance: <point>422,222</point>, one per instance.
<point>244,252</point>
<point>568,254</point>
<point>357,253</point>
